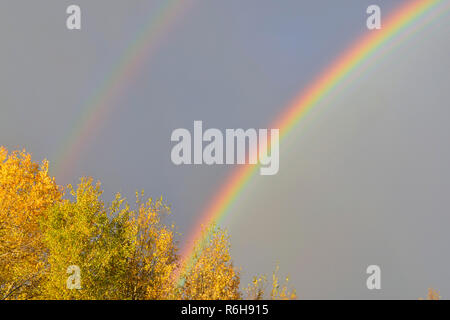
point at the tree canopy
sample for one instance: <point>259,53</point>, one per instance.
<point>66,243</point>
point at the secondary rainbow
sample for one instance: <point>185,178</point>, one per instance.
<point>350,60</point>
<point>101,103</point>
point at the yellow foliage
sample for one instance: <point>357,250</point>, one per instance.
<point>432,295</point>
<point>154,257</point>
<point>26,191</point>
<point>121,253</point>
<point>95,238</point>
<point>211,275</point>
<point>257,289</point>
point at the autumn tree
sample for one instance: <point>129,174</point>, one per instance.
<point>91,236</point>
<point>154,255</point>
<point>26,191</point>
<point>121,252</point>
<point>211,275</point>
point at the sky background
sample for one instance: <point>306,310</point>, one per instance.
<point>364,178</point>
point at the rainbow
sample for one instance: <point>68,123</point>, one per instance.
<point>337,72</point>
<point>101,103</point>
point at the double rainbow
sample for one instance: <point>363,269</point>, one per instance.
<point>97,108</point>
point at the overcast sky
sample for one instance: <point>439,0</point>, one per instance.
<point>364,178</point>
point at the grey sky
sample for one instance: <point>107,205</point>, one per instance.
<point>364,179</point>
